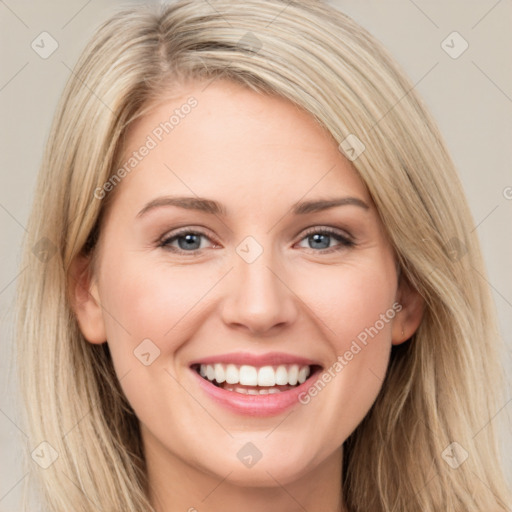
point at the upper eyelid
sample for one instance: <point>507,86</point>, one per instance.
<point>331,230</point>
<point>185,230</point>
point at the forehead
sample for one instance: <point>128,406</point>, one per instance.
<point>224,140</point>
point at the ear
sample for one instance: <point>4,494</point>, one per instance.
<point>409,318</point>
<point>85,300</point>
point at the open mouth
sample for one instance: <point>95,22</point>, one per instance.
<point>253,380</point>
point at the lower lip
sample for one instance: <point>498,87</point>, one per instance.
<point>256,405</point>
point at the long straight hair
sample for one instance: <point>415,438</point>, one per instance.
<point>442,386</point>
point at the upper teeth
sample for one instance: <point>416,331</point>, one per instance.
<point>252,376</point>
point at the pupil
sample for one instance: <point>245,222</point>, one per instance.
<point>191,239</point>
<point>317,239</point>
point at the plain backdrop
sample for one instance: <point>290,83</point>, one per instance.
<point>470,95</point>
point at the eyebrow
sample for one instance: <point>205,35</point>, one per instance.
<point>213,207</point>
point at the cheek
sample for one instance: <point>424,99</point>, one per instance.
<point>152,301</point>
<point>351,300</point>
<point>356,305</point>
<point>150,310</point>
<point>357,308</point>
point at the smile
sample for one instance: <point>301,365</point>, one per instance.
<point>255,385</point>
<point>252,380</point>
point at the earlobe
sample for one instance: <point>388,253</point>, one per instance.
<point>409,319</point>
<point>85,301</point>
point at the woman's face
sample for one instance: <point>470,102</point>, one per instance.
<point>272,264</point>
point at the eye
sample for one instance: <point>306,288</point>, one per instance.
<point>187,240</point>
<point>321,238</point>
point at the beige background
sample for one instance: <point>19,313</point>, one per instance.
<point>471,98</point>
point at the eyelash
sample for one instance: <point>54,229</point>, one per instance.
<point>344,240</point>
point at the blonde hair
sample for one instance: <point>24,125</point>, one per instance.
<point>442,386</point>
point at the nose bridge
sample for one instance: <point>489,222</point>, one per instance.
<point>257,297</point>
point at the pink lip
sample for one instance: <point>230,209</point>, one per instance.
<point>268,359</point>
<point>256,405</point>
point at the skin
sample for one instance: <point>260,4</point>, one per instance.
<point>257,155</point>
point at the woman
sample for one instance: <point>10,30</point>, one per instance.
<point>324,346</point>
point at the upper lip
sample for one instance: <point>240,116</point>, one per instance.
<point>246,358</point>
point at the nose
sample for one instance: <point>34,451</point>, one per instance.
<point>258,299</point>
